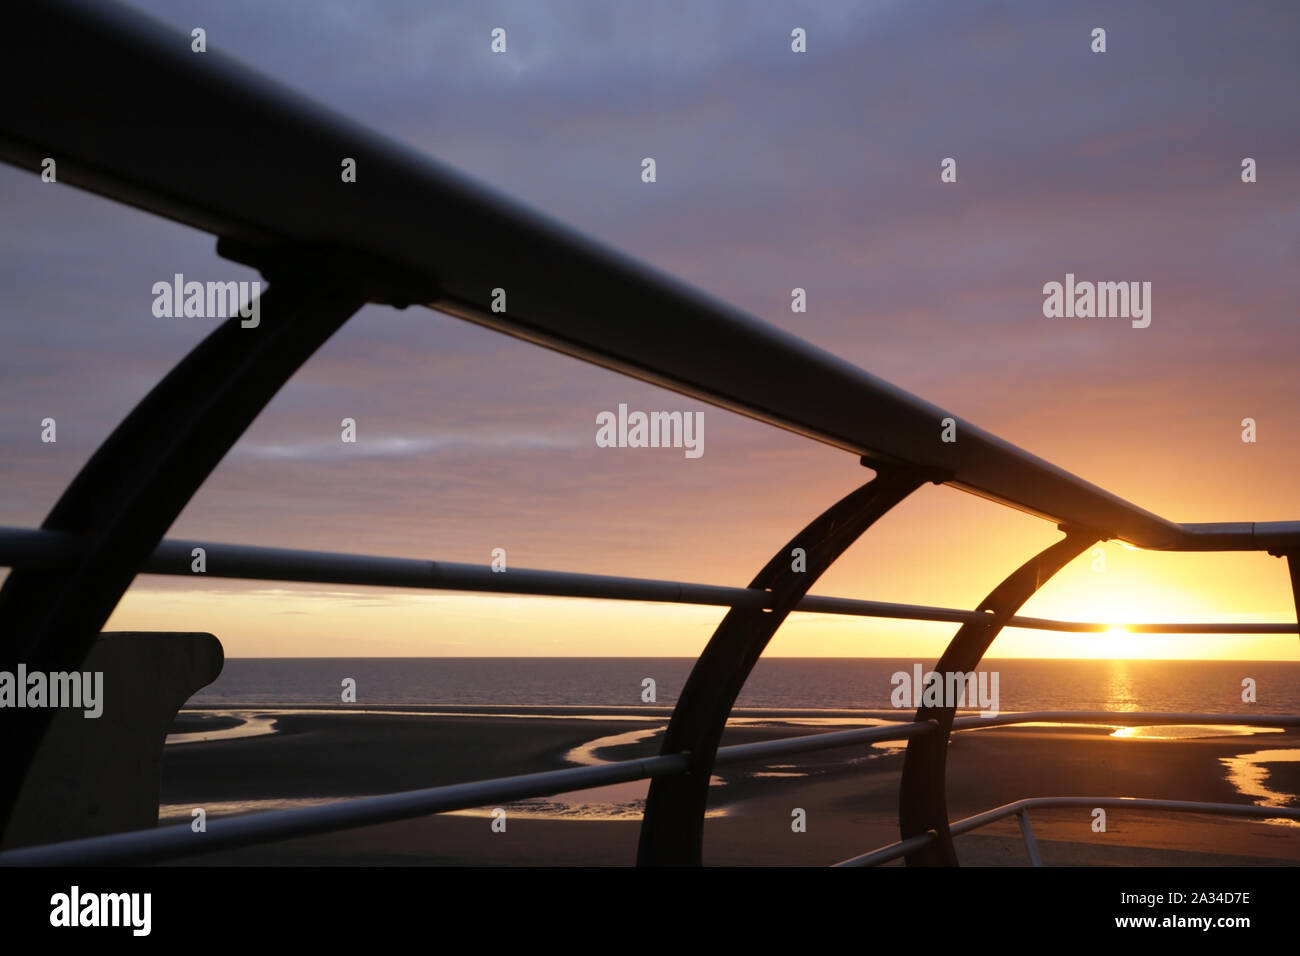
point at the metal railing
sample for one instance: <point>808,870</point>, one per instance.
<point>180,840</point>
<point>1020,810</point>
<point>411,231</point>
<point>52,550</point>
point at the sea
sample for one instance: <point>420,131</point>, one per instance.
<point>776,683</point>
<point>817,690</point>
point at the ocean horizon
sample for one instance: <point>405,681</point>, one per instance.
<point>777,683</point>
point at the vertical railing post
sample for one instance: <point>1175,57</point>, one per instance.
<point>133,488</point>
<point>1027,832</point>
<point>1293,566</point>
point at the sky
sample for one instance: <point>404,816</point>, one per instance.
<point>775,170</point>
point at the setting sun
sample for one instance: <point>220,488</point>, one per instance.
<point>1114,643</point>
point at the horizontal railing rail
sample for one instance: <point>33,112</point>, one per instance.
<point>1127,717</point>
<point>50,550</point>
<point>143,846</point>
<point>1021,808</point>
<point>180,840</point>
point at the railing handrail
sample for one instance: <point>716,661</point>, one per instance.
<point>1143,717</point>
<point>560,283</point>
<point>412,231</point>
<point>49,550</point>
<point>141,846</point>
<point>902,848</point>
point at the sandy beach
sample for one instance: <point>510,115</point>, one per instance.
<point>849,794</point>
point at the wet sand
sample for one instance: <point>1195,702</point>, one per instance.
<point>850,794</point>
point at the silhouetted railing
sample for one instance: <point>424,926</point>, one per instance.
<point>180,840</point>
<point>410,231</point>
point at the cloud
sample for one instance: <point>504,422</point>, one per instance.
<point>402,446</point>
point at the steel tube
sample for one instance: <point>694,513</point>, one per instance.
<point>1021,808</point>
<point>37,549</point>
<point>892,851</point>
<point>922,798</point>
<point>411,210</point>
<point>145,846</point>
<point>1027,834</point>
<point>808,742</point>
<point>1131,803</point>
<point>672,828</point>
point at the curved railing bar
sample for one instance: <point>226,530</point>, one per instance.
<point>135,485</point>
<point>673,826</point>
<point>922,802</point>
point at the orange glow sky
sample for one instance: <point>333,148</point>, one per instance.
<point>821,173</point>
